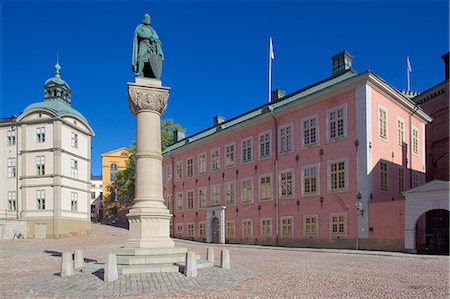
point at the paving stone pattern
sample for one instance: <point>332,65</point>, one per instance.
<point>29,269</point>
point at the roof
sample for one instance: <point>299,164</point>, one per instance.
<point>96,177</point>
<point>118,150</point>
<point>60,108</point>
<point>432,186</point>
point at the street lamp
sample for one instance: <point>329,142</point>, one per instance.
<point>358,205</point>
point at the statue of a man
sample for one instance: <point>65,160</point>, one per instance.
<point>147,51</point>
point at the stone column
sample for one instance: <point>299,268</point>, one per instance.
<point>148,218</point>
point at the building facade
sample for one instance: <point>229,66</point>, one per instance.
<point>45,165</point>
<point>321,167</point>
<point>96,197</point>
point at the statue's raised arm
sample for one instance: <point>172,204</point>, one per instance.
<point>147,51</point>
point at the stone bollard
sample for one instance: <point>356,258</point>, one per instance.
<point>66,264</point>
<point>225,259</point>
<point>79,259</point>
<point>210,255</point>
<point>110,271</point>
<point>190,266</point>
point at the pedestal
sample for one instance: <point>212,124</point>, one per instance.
<point>149,218</point>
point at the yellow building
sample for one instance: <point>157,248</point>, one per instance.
<point>112,162</point>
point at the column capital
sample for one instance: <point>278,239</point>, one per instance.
<point>148,97</point>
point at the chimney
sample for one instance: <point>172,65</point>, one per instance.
<point>278,94</point>
<point>178,135</point>
<point>341,62</point>
<point>218,119</point>
<point>445,58</point>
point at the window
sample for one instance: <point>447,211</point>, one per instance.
<point>230,233</point>
<point>202,163</point>
<point>190,230</point>
<point>286,226</point>
<point>230,191</point>
<point>74,140</point>
<point>415,180</point>
<point>112,171</point>
<point>40,134</point>
<point>170,203</point>
<point>190,199</point>
<point>400,132</point>
<point>74,201</point>
<point>310,179</point>
<point>179,201</point>
<point>229,155</point>
<point>114,196</point>
<point>202,229</point>
<point>383,176</point>
<point>266,227</point>
<point>337,175</point>
<point>310,130</point>
<point>247,228</point>
<point>338,224</point>
<point>382,123</point>
<point>74,168</point>
<point>285,141</point>
<point>40,199</point>
<point>169,173</point>
<point>337,124</point>
<point>265,187</point>
<point>179,228</point>
<point>215,159</point>
<point>215,194</point>
<point>247,150</point>
<point>247,190</point>
<point>415,141</point>
<point>401,180</point>
<point>190,167</point>
<point>265,148</point>
<point>311,225</point>
<point>40,165</point>
<point>179,170</point>
<point>202,197</point>
<point>286,183</point>
<point>11,137</point>
<point>11,201</point>
<point>11,167</point>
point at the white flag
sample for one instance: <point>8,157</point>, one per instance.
<point>272,54</point>
<point>409,64</point>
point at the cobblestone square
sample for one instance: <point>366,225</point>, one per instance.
<point>29,269</point>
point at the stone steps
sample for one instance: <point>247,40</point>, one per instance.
<point>149,251</point>
<point>148,259</point>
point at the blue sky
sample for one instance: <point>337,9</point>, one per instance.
<point>215,53</point>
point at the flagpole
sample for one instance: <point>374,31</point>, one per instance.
<point>408,71</point>
<point>270,70</point>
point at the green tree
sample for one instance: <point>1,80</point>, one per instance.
<point>125,179</point>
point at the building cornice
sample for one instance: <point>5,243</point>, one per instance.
<point>54,149</point>
<point>56,185</point>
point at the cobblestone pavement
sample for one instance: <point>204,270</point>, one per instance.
<point>29,269</point>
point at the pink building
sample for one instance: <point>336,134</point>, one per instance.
<point>321,167</point>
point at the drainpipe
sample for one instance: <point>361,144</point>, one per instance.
<point>16,136</point>
<point>416,108</point>
<point>173,193</point>
<point>277,208</point>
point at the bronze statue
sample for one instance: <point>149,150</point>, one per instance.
<point>147,51</point>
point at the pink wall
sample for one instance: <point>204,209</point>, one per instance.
<point>387,219</point>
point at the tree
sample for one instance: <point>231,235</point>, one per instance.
<point>125,179</point>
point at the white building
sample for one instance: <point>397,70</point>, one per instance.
<point>96,197</point>
<point>45,167</point>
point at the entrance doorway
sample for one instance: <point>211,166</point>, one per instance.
<point>215,225</point>
<point>40,230</point>
<point>432,232</point>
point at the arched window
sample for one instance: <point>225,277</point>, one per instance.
<point>112,171</point>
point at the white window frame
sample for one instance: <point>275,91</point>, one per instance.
<point>229,153</point>
<point>191,191</point>
<point>74,168</point>
<point>250,148</point>
<point>263,155</point>
<point>380,177</point>
<point>316,127</point>
<point>169,173</point>
<point>283,235</point>
<point>200,234</point>
<point>74,201</point>
<point>309,234</point>
<point>192,224</point>
<point>179,199</point>
<point>262,234</point>
<point>12,202</point>
<point>215,159</point>
<point>227,235</point>
<point>170,202</point>
<point>178,226</point>
<point>205,192</point>
<point>233,188</point>
<point>386,121</point>
<point>40,134</point>
<point>270,186</point>
<point>190,168</point>
<point>280,183</point>
<point>40,165</point>
<point>40,199</point>
<point>415,148</point>
<point>179,170</point>
<point>11,167</point>
<point>401,179</point>
<point>333,234</point>
<point>400,120</point>
<point>11,137</point>
<point>247,179</point>
<point>215,195</point>
<point>317,168</point>
<point>202,163</point>
<point>346,170</point>
<point>345,122</point>
<point>74,140</point>
<point>247,220</point>
<point>289,144</point>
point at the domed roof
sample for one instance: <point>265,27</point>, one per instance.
<point>57,79</point>
<point>60,108</point>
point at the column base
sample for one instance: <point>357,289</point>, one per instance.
<point>149,232</point>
